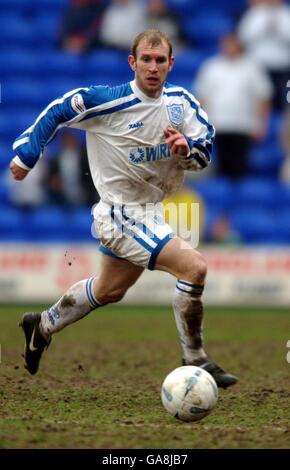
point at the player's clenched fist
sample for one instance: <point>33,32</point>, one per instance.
<point>176,141</point>
<point>17,172</point>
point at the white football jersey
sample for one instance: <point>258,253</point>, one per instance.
<point>129,160</point>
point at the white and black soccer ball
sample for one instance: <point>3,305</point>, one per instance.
<point>189,393</point>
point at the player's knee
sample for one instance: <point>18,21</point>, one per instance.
<point>197,269</point>
<point>201,268</point>
<point>112,296</point>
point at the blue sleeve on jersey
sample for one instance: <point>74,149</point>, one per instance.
<point>202,146</point>
<point>44,129</point>
<point>96,95</point>
<point>30,144</point>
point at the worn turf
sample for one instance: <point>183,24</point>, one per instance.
<point>99,382</point>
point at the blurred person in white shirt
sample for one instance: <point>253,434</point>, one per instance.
<point>122,21</point>
<point>264,30</point>
<point>236,93</point>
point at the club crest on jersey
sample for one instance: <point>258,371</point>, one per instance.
<point>175,113</point>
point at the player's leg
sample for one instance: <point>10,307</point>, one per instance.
<point>79,300</point>
<point>189,267</point>
<point>122,274</point>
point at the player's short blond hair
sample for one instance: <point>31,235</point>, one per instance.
<point>154,37</point>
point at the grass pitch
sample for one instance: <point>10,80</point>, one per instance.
<point>99,382</point>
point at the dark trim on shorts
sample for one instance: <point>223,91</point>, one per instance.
<point>157,249</point>
<point>108,252</point>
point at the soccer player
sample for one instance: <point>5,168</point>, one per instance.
<point>141,136</point>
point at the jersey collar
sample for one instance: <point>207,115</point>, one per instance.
<point>142,96</point>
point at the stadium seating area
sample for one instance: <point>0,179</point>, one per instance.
<point>34,70</point>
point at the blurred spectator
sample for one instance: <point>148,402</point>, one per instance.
<point>81,26</point>
<point>265,32</point>
<point>69,180</point>
<point>285,169</point>
<point>236,94</point>
<point>122,21</point>
<point>32,192</point>
<point>159,17</point>
<point>222,232</point>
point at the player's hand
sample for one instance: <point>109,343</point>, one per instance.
<point>17,172</point>
<point>176,141</point>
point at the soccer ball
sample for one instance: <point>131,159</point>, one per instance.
<point>189,393</point>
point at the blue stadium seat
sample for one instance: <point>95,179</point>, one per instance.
<point>256,193</point>
<point>182,7</point>
<point>265,159</point>
<point>9,126</point>
<point>48,26</point>
<point>6,153</point>
<point>53,223</point>
<point>30,93</point>
<point>206,28</point>
<point>30,8</point>
<point>59,63</point>
<point>56,88</point>
<point>255,226</point>
<point>47,224</point>
<point>217,193</point>
<point>18,30</point>
<point>15,4</point>
<point>4,188</point>
<point>187,64</point>
<point>11,223</point>
<point>107,66</point>
<point>283,198</point>
<point>274,129</point>
<point>232,7</point>
<point>282,222</point>
<point>15,121</point>
<point>52,5</point>
<point>80,225</point>
<point>18,62</point>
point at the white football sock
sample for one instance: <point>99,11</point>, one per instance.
<point>77,302</point>
<point>188,311</point>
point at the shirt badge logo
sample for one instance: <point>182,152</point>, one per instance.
<point>137,155</point>
<point>136,125</point>
<point>175,113</point>
<point>78,104</point>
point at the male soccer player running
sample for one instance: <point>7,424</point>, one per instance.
<point>141,136</point>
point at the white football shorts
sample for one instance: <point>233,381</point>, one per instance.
<point>136,233</point>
